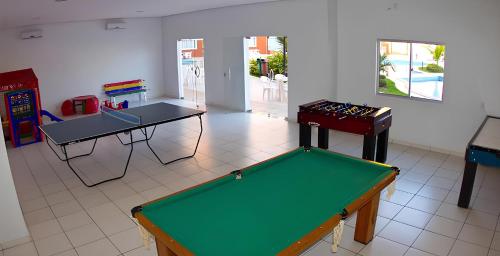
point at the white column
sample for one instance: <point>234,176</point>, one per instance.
<point>12,225</point>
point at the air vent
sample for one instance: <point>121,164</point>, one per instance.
<point>115,24</point>
<point>31,34</point>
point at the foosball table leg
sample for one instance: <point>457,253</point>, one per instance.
<point>369,147</point>
<point>382,144</point>
<point>305,136</point>
<point>323,138</point>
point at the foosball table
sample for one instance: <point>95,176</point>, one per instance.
<point>371,122</point>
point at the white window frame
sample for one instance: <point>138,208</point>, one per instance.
<point>411,42</point>
<point>252,42</point>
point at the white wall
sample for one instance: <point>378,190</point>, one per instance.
<point>305,22</point>
<point>12,225</point>
<point>78,58</point>
<point>470,30</point>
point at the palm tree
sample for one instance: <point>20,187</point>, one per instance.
<point>384,63</point>
<point>437,52</point>
<point>283,42</point>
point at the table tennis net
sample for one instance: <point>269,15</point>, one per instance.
<point>118,114</point>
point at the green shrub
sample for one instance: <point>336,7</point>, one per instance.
<point>382,82</point>
<point>275,63</point>
<point>432,68</point>
<point>254,68</point>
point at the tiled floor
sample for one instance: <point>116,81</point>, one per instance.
<point>66,218</point>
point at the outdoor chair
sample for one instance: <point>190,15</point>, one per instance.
<point>282,79</point>
<point>266,87</point>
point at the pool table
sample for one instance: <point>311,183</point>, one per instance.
<point>280,206</point>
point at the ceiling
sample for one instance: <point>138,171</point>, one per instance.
<point>17,13</point>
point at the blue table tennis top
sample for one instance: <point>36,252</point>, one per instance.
<point>101,125</point>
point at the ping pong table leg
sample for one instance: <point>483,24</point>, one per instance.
<point>67,160</point>
<point>175,160</point>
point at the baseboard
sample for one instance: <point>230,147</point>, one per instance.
<point>428,147</point>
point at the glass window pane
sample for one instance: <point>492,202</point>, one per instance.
<point>394,68</point>
<point>427,71</point>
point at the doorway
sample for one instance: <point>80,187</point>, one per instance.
<point>191,71</point>
<point>268,75</point>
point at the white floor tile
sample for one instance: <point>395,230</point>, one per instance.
<point>482,219</point>
<point>466,249</point>
<point>142,252</point>
<point>101,247</point>
<point>415,252</point>
<point>413,217</point>
<point>59,197</point>
<point>93,200</point>
<point>399,197</point>
<point>424,204</point>
<point>401,233</point>
<point>453,212</point>
<point>434,243</point>
<point>84,234</point>
<point>74,220</point>
<point>27,249</point>
<point>388,209</point>
<point>444,226</point>
<point>408,186</point>
<point>433,192</point>
<point>71,252</point>
<point>52,245</point>
<point>381,246</point>
<point>127,240</point>
<point>45,229</point>
<point>476,235</point>
<point>496,241</point>
<point>66,208</point>
<point>39,216</point>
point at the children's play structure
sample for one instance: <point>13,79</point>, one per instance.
<point>21,110</point>
<point>21,107</point>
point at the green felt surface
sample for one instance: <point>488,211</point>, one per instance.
<point>275,204</point>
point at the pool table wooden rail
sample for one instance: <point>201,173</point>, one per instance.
<point>366,206</point>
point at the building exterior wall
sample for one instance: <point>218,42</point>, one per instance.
<point>198,52</point>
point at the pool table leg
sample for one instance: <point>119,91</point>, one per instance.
<point>366,219</point>
<point>163,250</point>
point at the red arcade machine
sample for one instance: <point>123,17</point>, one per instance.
<point>21,112</point>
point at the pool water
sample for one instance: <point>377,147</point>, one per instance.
<point>420,79</point>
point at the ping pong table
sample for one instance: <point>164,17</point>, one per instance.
<point>484,149</point>
<point>113,122</point>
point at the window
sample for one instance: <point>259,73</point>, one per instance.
<point>273,44</point>
<point>411,69</point>
<point>252,42</point>
<point>189,44</point>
